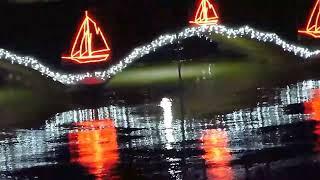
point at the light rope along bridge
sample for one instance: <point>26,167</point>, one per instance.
<point>137,53</point>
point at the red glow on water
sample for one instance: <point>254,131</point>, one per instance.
<point>95,147</point>
<point>313,26</point>
<point>90,45</point>
<point>205,14</point>
<point>312,106</point>
<point>217,154</point>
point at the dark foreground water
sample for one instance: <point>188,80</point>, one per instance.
<point>159,140</point>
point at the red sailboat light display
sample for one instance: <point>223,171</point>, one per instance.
<point>206,14</point>
<point>90,45</point>
<point>313,26</point>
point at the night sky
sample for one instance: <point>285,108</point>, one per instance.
<point>44,30</point>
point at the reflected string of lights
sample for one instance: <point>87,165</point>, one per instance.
<point>154,129</point>
<point>202,31</point>
<point>125,117</point>
<point>166,132</point>
<point>28,149</point>
<point>151,130</point>
<point>265,115</point>
<point>299,93</point>
<point>246,123</point>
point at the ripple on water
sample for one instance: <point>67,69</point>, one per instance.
<point>153,141</point>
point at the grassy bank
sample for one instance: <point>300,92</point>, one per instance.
<point>22,107</point>
<point>211,84</point>
<point>223,84</point>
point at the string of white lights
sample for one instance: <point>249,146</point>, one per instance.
<point>71,78</point>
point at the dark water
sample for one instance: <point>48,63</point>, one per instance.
<point>159,140</point>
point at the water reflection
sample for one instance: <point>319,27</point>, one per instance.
<point>151,140</point>
<point>95,147</point>
<point>26,149</point>
<point>217,154</point>
<point>299,92</point>
<point>312,107</point>
<point>166,105</point>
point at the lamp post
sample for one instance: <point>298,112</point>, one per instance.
<point>179,56</point>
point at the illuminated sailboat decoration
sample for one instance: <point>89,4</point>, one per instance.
<point>90,45</point>
<point>313,26</point>
<point>206,14</point>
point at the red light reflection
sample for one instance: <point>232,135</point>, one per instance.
<point>217,154</point>
<point>95,147</point>
<point>312,107</point>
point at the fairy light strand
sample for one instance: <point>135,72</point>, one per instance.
<point>163,40</point>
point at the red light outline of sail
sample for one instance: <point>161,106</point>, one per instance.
<point>313,29</point>
<point>80,56</point>
<point>201,16</point>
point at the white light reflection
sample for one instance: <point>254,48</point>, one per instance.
<point>271,115</point>
<point>37,147</point>
<point>29,148</point>
<point>166,105</point>
<point>298,93</point>
<point>23,150</point>
<point>242,123</point>
<point>42,143</point>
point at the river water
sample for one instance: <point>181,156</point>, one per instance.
<point>277,138</point>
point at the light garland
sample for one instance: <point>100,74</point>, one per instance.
<point>163,40</point>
